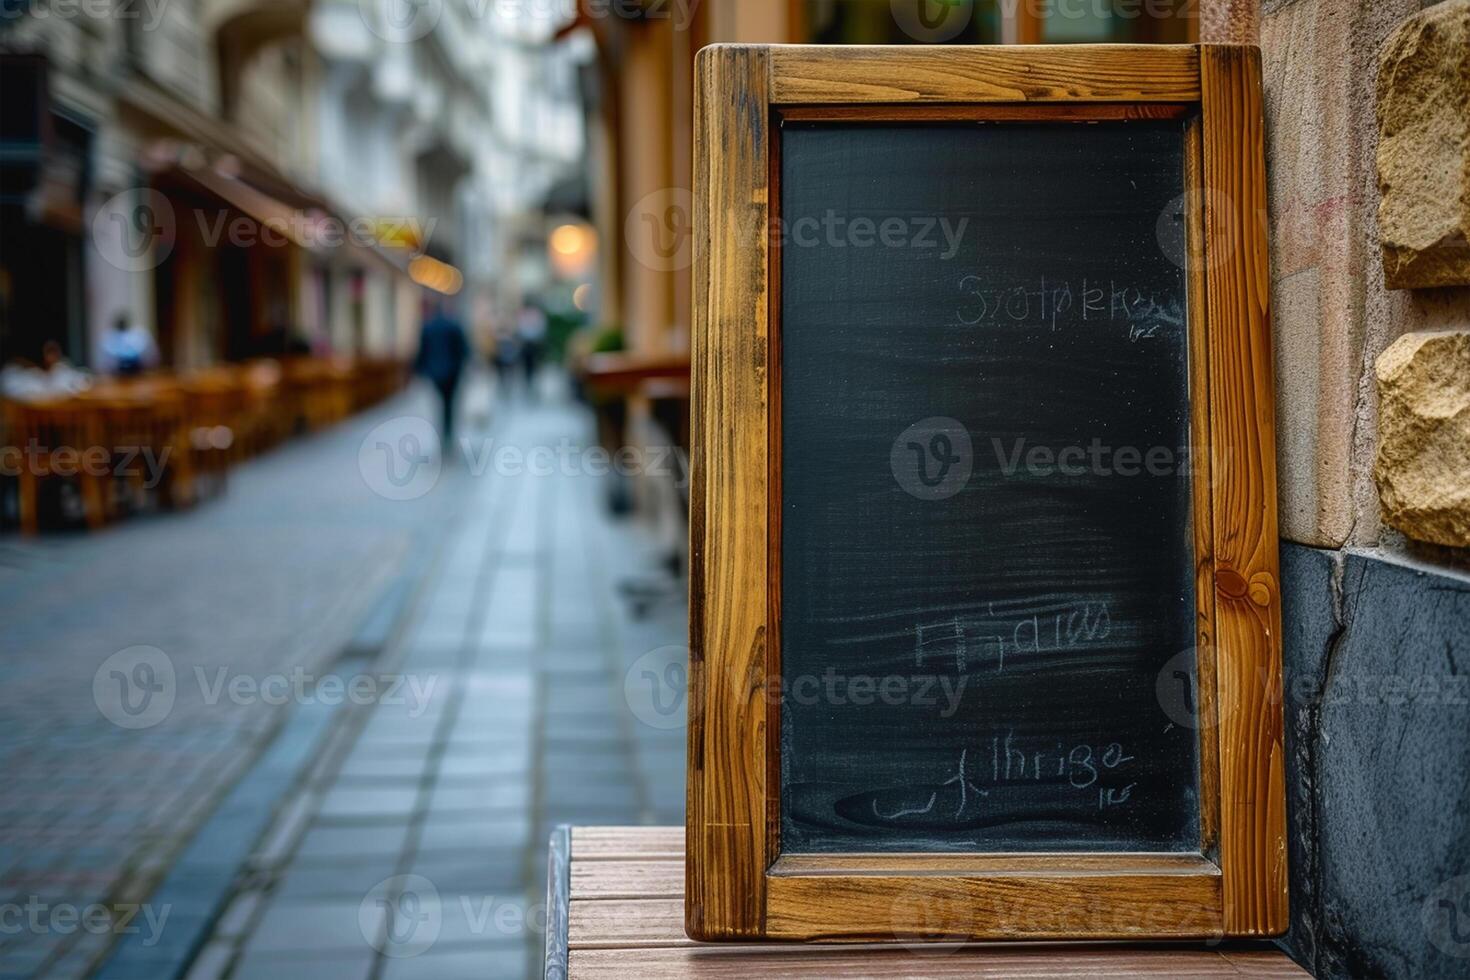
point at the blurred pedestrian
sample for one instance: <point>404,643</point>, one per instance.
<point>531,334</point>
<point>129,349</point>
<point>443,350</point>
<point>23,381</point>
<point>62,376</point>
<point>506,356</point>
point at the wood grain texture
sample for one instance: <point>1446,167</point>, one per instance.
<point>995,864</point>
<point>651,878</point>
<point>1200,500</point>
<point>637,923</point>
<point>970,963</point>
<point>1072,73</point>
<point>734,892</point>
<point>642,935</point>
<point>622,843</point>
<point>1023,906</point>
<point>1243,436</point>
<point>989,112</point>
<point>774,675</point>
<point>727,818</point>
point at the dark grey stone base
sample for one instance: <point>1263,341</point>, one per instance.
<point>1377,675</point>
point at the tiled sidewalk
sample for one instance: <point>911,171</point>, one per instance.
<point>416,849</point>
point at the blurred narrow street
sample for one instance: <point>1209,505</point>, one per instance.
<point>227,766</point>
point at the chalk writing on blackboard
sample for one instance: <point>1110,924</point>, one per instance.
<point>1031,533</point>
<point>985,639</point>
<point>1091,772</point>
<point>1050,302</point>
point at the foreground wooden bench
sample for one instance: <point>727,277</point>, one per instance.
<point>615,909</point>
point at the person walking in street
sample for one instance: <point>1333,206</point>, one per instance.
<point>443,350</point>
<point>531,335</point>
<point>505,358</point>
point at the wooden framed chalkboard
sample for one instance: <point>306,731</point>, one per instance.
<point>984,623</point>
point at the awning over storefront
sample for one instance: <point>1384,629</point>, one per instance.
<point>259,190</point>
<point>272,214</point>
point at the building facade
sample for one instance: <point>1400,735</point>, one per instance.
<point>255,177</point>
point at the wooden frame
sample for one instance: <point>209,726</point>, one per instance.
<point>739,885</point>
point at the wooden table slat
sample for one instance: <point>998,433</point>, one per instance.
<point>615,923</point>
<point>745,963</point>
<point>599,843</point>
<point>640,878</point>
<point>624,915</point>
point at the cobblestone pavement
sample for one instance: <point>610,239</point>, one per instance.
<point>407,840</point>
<point>104,783</point>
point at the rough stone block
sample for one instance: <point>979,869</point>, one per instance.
<point>1423,467</point>
<point>1424,149</point>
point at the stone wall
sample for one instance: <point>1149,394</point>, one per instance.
<point>1373,396</point>
<point>1333,314</point>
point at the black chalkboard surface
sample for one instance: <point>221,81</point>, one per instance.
<point>986,558</point>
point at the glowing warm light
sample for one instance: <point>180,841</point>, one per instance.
<point>569,239</point>
<point>582,297</point>
<point>430,273</point>
<point>572,248</point>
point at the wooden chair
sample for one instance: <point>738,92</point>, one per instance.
<point>377,380</point>
<point>339,381</point>
<point>267,415</point>
<point>144,425</point>
<point>57,439</point>
<point>304,380</point>
<point>215,406</point>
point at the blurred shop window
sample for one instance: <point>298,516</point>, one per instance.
<point>903,21</point>
<point>1000,21</point>
<point>1085,23</point>
<point>1119,21</point>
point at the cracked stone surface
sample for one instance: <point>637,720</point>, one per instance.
<point>1378,738</point>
